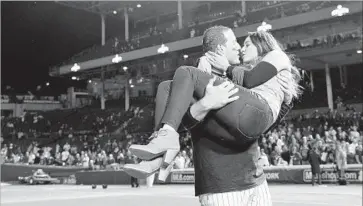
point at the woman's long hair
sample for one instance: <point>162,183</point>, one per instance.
<point>265,42</point>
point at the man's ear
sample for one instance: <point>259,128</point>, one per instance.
<point>221,50</point>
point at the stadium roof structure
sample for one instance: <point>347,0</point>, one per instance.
<point>146,10</point>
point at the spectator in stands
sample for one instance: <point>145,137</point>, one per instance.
<point>275,154</point>
<point>332,132</point>
<point>296,157</point>
<point>263,159</point>
<point>341,157</point>
<point>354,133</point>
<point>120,158</point>
<point>98,162</point>
<point>351,152</point>
<point>85,160</point>
<point>103,159</point>
<point>4,151</point>
<point>57,159</point>
<point>190,155</point>
<point>286,155</point>
<point>359,154</point>
<point>111,159</point>
<point>65,155</point>
<point>108,147</point>
<point>187,159</point>
<point>180,161</point>
<point>331,158</point>
<point>71,160</point>
<point>77,160</point>
<point>264,144</point>
<point>304,150</point>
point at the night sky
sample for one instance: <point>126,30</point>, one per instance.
<point>38,35</point>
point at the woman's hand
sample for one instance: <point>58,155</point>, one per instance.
<point>217,60</point>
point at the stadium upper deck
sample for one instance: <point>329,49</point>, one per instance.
<point>286,17</point>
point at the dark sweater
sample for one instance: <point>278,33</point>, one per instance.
<point>221,166</point>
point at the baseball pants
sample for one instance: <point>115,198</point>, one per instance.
<point>257,196</point>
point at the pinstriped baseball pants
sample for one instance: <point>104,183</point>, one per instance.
<point>257,196</point>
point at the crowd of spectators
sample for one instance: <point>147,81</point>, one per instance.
<point>69,137</point>
<point>334,132</point>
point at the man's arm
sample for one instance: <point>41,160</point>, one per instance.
<point>251,78</point>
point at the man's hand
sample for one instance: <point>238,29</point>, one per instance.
<point>215,97</point>
<point>218,96</point>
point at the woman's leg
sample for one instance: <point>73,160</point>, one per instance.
<point>161,102</point>
<point>186,82</point>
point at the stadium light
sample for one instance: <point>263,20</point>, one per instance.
<point>340,11</point>
<point>125,68</point>
<point>163,49</point>
<point>264,27</point>
<point>75,68</point>
<point>116,59</point>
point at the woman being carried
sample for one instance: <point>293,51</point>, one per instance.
<point>259,95</point>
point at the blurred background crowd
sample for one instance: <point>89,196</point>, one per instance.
<point>98,139</point>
